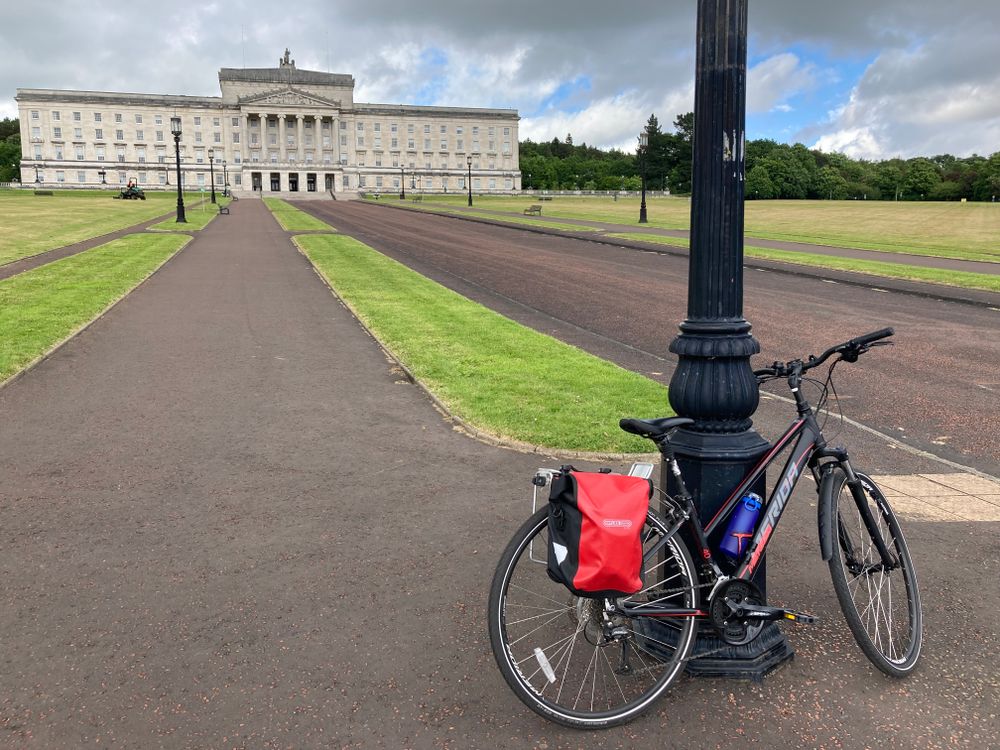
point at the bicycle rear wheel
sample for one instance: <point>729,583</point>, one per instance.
<point>553,647</point>
<point>881,605</point>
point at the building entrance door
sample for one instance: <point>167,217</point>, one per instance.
<point>256,181</point>
<point>275,182</point>
<point>293,182</point>
<point>311,182</point>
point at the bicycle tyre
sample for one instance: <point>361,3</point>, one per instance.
<point>882,608</point>
<point>569,627</point>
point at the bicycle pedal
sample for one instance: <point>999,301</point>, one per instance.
<point>801,618</point>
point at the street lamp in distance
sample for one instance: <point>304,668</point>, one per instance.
<point>211,171</point>
<point>38,178</point>
<point>402,183</point>
<point>175,129</point>
<point>225,179</point>
<point>103,173</point>
<point>643,145</point>
<point>468,160</point>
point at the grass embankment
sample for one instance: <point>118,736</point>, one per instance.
<point>962,279</point>
<point>944,229</point>
<point>31,224</point>
<point>197,214</point>
<point>493,373</point>
<point>292,219</point>
<point>41,308</point>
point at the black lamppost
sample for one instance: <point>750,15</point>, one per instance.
<point>211,171</point>
<point>175,129</point>
<point>402,183</point>
<point>643,145</point>
<point>102,173</point>
<point>468,160</point>
<point>714,382</point>
<point>225,179</point>
<point>38,178</point>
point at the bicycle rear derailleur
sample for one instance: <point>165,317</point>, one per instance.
<point>738,613</point>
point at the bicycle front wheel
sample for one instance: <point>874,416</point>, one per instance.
<point>560,654</point>
<point>881,603</point>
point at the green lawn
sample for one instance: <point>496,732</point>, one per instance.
<point>197,215</point>
<point>495,374</point>
<point>41,308</point>
<point>292,219</point>
<point>951,230</point>
<point>31,224</point>
<point>963,279</point>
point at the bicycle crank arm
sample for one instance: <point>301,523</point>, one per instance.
<point>759,613</point>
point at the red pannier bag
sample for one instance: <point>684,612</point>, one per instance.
<point>595,527</point>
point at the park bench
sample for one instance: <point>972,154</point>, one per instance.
<point>224,210</point>
<point>535,210</point>
<point>43,192</point>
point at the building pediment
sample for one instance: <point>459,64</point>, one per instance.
<point>289,96</point>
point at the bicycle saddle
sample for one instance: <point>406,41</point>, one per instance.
<point>654,429</point>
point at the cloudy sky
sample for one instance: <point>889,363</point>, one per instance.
<point>872,79</point>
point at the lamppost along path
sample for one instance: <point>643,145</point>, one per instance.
<point>175,129</point>
<point>643,146</point>
<point>714,382</point>
<point>211,171</point>
<point>468,160</point>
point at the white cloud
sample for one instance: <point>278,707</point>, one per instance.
<point>771,82</point>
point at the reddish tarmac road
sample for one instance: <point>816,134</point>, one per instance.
<point>937,389</point>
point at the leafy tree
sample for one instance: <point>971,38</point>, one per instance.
<point>831,184</point>
<point>759,185</point>
<point>10,149</point>
<point>921,177</point>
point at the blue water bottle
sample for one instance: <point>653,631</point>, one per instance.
<point>741,526</point>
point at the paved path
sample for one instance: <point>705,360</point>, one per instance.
<point>225,522</point>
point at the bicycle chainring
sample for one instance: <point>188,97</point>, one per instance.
<point>734,630</point>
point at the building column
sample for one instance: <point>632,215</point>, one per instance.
<point>245,139</point>
<point>282,147</point>
<point>300,136</point>
<point>335,129</point>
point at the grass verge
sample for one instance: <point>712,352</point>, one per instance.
<point>505,219</point>
<point>39,309</point>
<point>32,224</point>
<point>493,373</point>
<point>292,219</point>
<point>963,279</point>
<point>198,216</point>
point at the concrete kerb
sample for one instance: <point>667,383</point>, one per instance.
<point>854,278</point>
<point>457,422</point>
<point>59,345</point>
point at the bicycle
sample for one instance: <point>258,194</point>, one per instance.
<point>594,663</point>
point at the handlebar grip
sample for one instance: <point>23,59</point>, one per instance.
<point>870,337</point>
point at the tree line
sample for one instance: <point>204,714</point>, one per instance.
<point>773,170</point>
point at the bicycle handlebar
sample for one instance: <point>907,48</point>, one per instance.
<point>849,351</point>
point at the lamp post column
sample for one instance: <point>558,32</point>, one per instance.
<point>468,161</point>
<point>211,171</point>
<point>643,146</point>
<point>402,183</point>
<point>175,129</point>
<point>714,382</point>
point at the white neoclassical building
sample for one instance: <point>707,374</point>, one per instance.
<point>272,130</point>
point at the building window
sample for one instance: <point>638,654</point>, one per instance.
<point>76,117</point>
<point>216,121</point>
<point>493,146</point>
<point>140,135</point>
<point>197,136</point>
<point>346,181</point>
<point>78,133</point>
<point>409,144</point>
<point>343,125</point>
<point>34,114</point>
<point>142,178</point>
<point>236,122</point>
<point>238,179</point>
<point>197,121</point>
<point>81,177</point>
<point>163,178</point>
<point>38,152</point>
<point>393,127</point>
<point>458,130</point>
<point>122,178</point>
<point>141,155</point>
<point>36,132</point>
<point>138,119</point>
<point>55,116</point>
<point>79,153</point>
<point>218,137</point>
<point>273,139</point>
<point>118,116</point>
<point>199,156</point>
<point>121,154</point>
<point>378,127</point>
<point>378,160</point>
<point>493,183</point>
<point>119,135</point>
<point>361,141</point>
<point>378,181</point>
<point>427,129</point>
<point>236,137</point>
<point>161,156</point>
<point>361,127</point>
<point>60,176</point>
<point>236,158</point>
<point>506,147</point>
<point>159,135</point>
<point>475,130</point>
<point>361,180</point>
<point>59,153</point>
<point>460,145</point>
<point>444,144</point>
<point>343,140</point>
<point>158,120</point>
<point>444,129</point>
<point>98,134</point>
<point>57,132</point>
<point>201,179</point>
<point>100,153</point>
<point>97,116</point>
